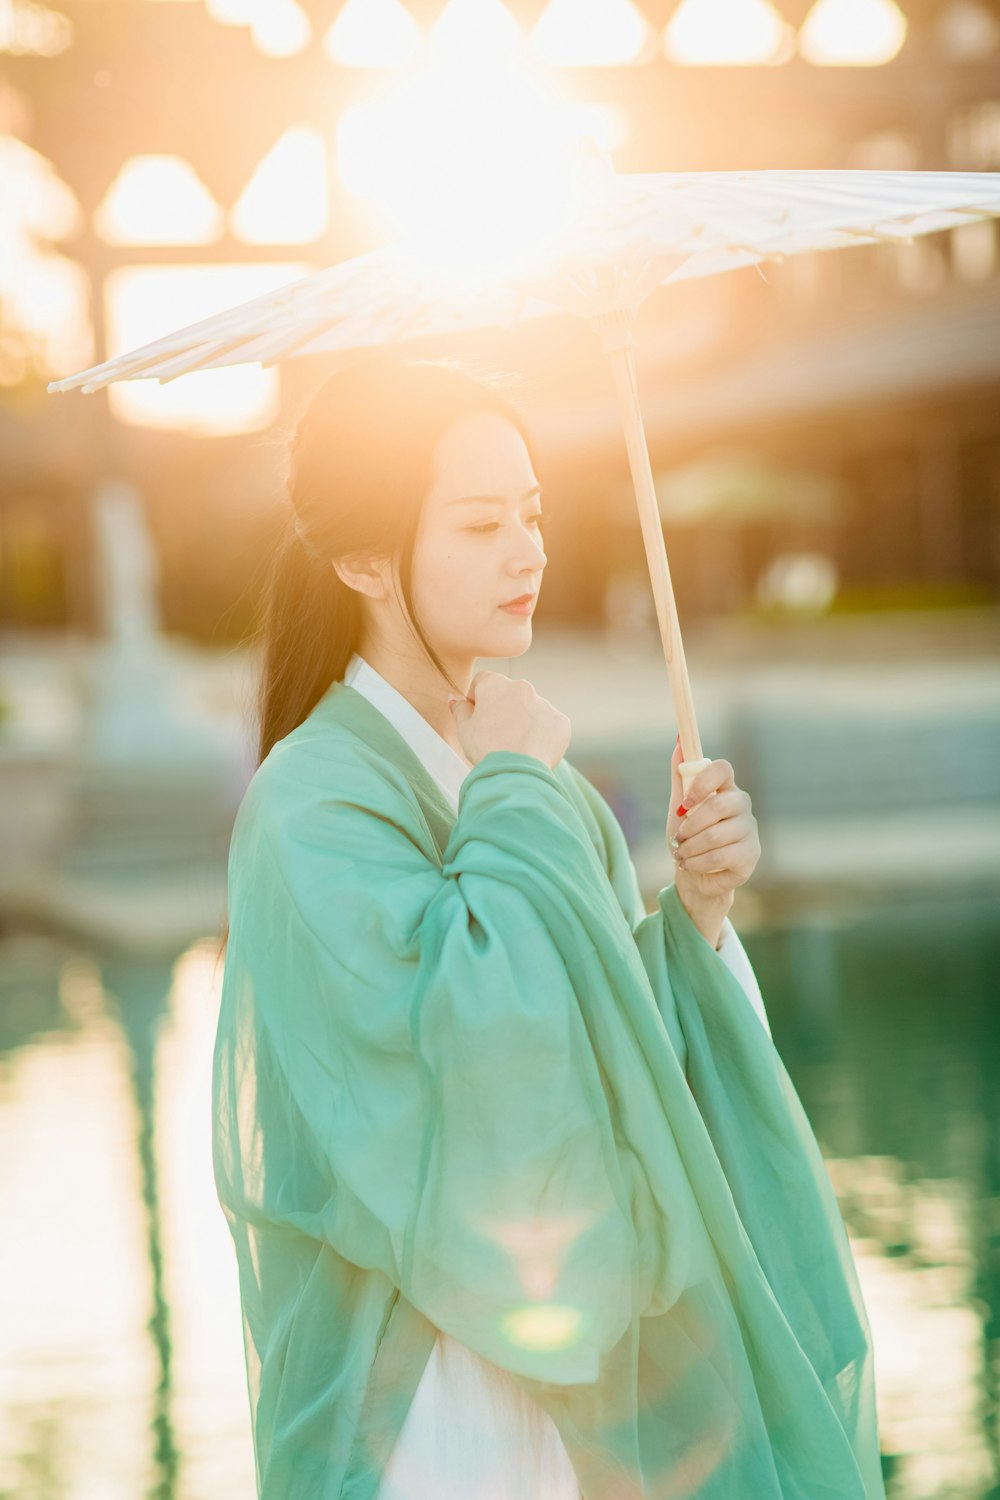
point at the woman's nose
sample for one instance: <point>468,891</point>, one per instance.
<point>536,552</point>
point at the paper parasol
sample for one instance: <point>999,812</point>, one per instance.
<point>630,234</point>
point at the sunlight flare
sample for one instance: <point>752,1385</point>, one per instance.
<point>727,33</point>
<point>852,33</point>
<point>468,31</point>
<point>373,34</point>
<point>285,202</point>
<point>158,200</point>
<point>592,34</point>
<point>281,29</point>
<point>475,169</point>
<point>143,302</point>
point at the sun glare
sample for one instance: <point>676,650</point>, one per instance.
<point>852,33</point>
<point>727,33</point>
<point>468,30</point>
<point>34,30</point>
<point>234,12</point>
<point>285,202</point>
<point>158,200</point>
<point>43,293</point>
<point>146,302</point>
<point>475,169</point>
<point>592,34</point>
<point>373,34</point>
<point>281,29</point>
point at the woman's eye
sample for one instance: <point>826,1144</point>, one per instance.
<point>540,516</point>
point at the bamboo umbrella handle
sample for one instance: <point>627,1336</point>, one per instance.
<point>616,333</point>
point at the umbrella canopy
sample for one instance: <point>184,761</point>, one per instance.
<point>631,234</point>
<point>622,237</point>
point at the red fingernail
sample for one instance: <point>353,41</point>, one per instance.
<point>681,810</point>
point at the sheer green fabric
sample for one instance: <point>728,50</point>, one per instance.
<point>463,1080</point>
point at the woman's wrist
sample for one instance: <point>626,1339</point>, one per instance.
<point>708,915</point>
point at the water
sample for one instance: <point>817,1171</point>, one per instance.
<point>120,1335</point>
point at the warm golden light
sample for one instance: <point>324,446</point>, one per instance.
<point>852,33</point>
<point>921,265</point>
<point>280,29</point>
<point>200,1278</point>
<point>538,1248</point>
<point>605,124</point>
<point>285,202</point>
<point>967,31</point>
<point>592,34</point>
<point>471,30</point>
<point>549,1327</point>
<point>475,168</point>
<point>973,137</point>
<point>373,34</point>
<point>147,302</point>
<point>44,294</point>
<point>974,250</point>
<point>34,30</point>
<point>158,200</point>
<point>234,12</point>
<point>727,33</point>
<point>98,1298</point>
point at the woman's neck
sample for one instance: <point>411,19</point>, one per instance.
<point>421,685</point>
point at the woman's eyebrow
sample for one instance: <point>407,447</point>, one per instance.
<point>494,499</point>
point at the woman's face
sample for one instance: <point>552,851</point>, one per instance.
<point>472,555</point>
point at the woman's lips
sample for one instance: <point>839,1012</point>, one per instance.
<point>523,607</point>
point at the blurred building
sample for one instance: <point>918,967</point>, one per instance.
<point>162,159</point>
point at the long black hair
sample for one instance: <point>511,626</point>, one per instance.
<point>360,459</point>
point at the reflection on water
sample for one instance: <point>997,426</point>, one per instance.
<point>119,1312</point>
<point>893,1041</point>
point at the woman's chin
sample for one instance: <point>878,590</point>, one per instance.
<point>513,641</point>
<point>519,637</point>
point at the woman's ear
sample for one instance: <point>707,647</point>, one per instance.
<point>362,574</point>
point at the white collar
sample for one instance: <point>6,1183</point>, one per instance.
<point>448,769</point>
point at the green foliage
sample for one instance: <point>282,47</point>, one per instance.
<point>887,598</point>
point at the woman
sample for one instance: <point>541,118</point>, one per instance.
<point>524,1202</point>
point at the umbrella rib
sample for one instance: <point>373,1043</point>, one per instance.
<point>134,366</point>
<point>171,368</point>
<point>710,222</point>
<point>289,346</point>
<point>873,234</point>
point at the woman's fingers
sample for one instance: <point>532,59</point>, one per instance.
<point>708,814</point>
<point>729,843</point>
<point>715,844</point>
<point>736,858</point>
<point>717,776</point>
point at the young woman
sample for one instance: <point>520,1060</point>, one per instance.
<point>524,1203</point>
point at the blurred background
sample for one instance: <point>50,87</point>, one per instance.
<point>825,437</point>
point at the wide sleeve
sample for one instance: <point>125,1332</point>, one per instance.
<point>611,844</point>
<point>418,1061</point>
<point>457,1071</point>
<point>759,1130</point>
<point>737,961</point>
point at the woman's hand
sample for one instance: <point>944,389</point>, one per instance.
<point>717,843</point>
<point>505,713</point>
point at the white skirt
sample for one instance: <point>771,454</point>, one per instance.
<point>472,1433</point>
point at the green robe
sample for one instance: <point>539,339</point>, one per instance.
<point>463,1080</point>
